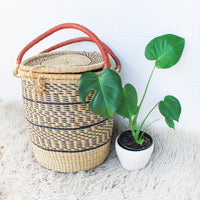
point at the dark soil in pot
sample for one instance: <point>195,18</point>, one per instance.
<point>127,141</point>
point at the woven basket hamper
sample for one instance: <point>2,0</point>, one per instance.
<point>65,135</point>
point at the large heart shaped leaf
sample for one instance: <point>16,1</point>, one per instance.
<point>128,105</point>
<point>108,91</point>
<point>170,108</point>
<point>166,50</point>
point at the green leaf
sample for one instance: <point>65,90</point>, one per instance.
<point>170,122</point>
<point>128,105</point>
<point>170,108</point>
<point>108,91</point>
<point>166,50</point>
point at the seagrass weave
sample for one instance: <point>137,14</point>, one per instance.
<point>65,135</point>
<point>60,125</point>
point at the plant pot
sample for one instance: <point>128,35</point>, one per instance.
<point>133,158</point>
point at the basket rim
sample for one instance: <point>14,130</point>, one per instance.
<point>43,69</point>
<point>53,77</point>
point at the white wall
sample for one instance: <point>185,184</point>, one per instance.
<point>126,26</point>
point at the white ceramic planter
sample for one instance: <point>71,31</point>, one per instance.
<point>133,160</point>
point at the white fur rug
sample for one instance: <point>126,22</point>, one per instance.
<point>172,174</point>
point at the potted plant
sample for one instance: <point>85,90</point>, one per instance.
<point>134,147</point>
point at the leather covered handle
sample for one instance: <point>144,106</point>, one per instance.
<point>91,35</point>
<point>80,39</point>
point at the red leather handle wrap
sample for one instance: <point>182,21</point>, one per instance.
<point>91,35</point>
<point>80,39</point>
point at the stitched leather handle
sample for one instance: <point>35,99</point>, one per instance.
<point>85,30</point>
<point>80,39</point>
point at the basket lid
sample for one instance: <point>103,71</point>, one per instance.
<point>64,62</point>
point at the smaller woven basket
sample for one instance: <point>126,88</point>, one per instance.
<point>65,135</point>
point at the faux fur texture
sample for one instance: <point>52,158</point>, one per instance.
<point>173,172</point>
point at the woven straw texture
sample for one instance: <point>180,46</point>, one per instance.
<point>64,62</point>
<point>65,135</point>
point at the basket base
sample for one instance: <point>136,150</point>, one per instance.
<point>71,162</point>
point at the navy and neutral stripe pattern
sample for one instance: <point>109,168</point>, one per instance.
<point>57,128</point>
<point>63,151</point>
<point>58,120</point>
<point>54,103</point>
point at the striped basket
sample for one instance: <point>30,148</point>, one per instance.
<point>65,135</point>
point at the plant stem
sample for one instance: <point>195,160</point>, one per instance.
<point>136,115</point>
<point>149,125</point>
<point>132,128</point>
<point>146,87</point>
<point>138,131</point>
